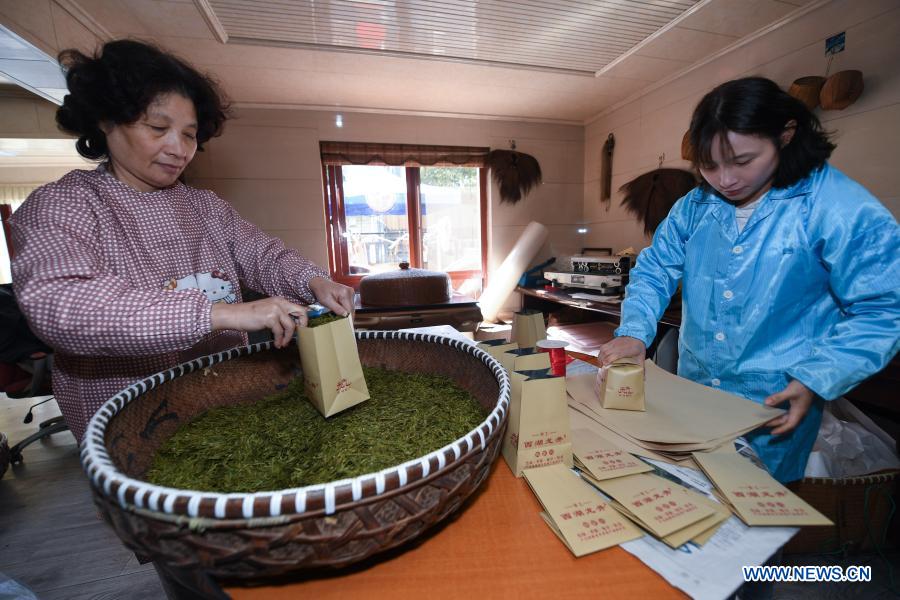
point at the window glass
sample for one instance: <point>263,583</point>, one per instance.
<point>377,233</point>
<point>451,218</point>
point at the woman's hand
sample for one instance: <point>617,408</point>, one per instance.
<point>620,347</point>
<point>800,398</point>
<point>278,315</point>
<point>332,295</point>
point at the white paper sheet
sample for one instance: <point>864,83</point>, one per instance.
<point>597,298</point>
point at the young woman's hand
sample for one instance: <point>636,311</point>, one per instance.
<point>800,398</point>
<point>620,347</point>
<point>333,295</point>
<point>278,315</point>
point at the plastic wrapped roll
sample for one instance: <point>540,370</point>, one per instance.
<point>503,282</point>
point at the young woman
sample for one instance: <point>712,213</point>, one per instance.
<point>790,270</point>
<point>124,270</point>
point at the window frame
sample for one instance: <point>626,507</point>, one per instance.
<point>335,225</point>
<point>5,215</point>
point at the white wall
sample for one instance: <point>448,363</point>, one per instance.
<point>867,133</point>
<point>267,166</point>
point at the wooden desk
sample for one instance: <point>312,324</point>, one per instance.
<point>498,547</point>
<point>671,317</point>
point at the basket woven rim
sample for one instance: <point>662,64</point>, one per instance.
<point>325,497</point>
<point>876,477</point>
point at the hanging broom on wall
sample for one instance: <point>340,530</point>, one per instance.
<point>650,196</point>
<point>515,173</point>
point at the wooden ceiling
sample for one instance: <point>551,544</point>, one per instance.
<point>575,36</point>
<point>563,61</point>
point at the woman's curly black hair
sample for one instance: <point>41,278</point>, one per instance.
<point>120,82</point>
<point>757,106</point>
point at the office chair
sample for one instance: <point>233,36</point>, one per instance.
<point>25,367</point>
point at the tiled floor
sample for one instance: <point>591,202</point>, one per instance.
<point>53,542</point>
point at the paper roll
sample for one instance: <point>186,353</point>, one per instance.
<point>503,282</point>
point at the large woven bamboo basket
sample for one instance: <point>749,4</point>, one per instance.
<point>860,508</point>
<point>247,536</point>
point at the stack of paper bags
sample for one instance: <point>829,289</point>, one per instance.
<point>524,359</point>
<point>496,347</point>
<point>669,511</point>
<point>754,495</point>
<point>538,432</point>
<point>576,513</point>
<point>681,417</point>
<point>599,459</point>
<point>610,468</point>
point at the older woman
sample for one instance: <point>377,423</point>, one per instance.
<point>124,270</point>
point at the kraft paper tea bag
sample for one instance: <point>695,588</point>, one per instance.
<point>658,505</point>
<point>623,387</point>
<point>497,347</point>
<point>702,530</point>
<point>528,328</point>
<point>757,498</point>
<point>576,513</point>
<point>524,359</point>
<point>538,431</point>
<point>601,459</point>
<point>332,372</point>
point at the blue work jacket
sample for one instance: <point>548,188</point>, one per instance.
<point>809,290</point>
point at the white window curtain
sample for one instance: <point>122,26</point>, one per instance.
<point>14,195</point>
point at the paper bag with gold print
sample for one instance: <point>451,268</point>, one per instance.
<point>524,359</point>
<point>577,514</point>
<point>538,432</point>
<point>528,328</point>
<point>757,498</point>
<point>497,347</point>
<point>332,373</point>
<point>623,386</point>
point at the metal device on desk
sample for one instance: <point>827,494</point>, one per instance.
<point>605,275</point>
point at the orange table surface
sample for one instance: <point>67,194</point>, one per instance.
<point>497,547</point>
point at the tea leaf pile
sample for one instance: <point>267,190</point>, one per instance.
<point>282,441</point>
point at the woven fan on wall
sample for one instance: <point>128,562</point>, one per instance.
<point>650,196</point>
<point>515,173</point>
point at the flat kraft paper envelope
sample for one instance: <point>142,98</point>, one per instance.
<point>496,348</point>
<point>679,411</point>
<point>528,328</point>
<point>538,433</point>
<point>702,530</point>
<point>602,459</point>
<point>661,506</point>
<point>757,498</point>
<point>576,513</point>
<point>583,417</point>
<point>524,359</point>
<point>699,532</point>
<point>332,373</point>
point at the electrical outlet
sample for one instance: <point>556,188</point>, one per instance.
<point>835,43</point>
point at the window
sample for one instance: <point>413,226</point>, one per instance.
<point>430,211</point>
